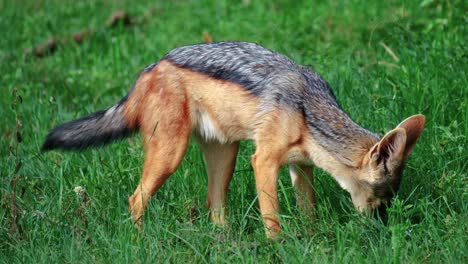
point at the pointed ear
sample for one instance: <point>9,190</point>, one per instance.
<point>413,126</point>
<point>391,148</point>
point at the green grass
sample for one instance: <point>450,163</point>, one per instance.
<point>342,40</point>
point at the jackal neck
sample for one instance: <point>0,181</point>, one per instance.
<point>335,131</point>
<point>328,124</point>
<point>339,135</point>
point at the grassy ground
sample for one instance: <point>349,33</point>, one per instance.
<point>385,60</point>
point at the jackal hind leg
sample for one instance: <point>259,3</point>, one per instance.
<point>220,162</point>
<point>165,149</point>
<point>303,180</point>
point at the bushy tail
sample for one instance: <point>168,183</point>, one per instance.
<point>96,129</point>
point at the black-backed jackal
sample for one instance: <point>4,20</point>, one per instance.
<point>224,92</point>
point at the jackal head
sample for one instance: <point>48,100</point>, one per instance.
<point>378,178</point>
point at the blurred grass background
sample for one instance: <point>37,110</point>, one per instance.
<point>385,60</point>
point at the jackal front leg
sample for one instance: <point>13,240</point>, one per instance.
<point>266,178</point>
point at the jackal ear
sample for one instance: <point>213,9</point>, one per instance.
<point>390,149</point>
<point>413,126</point>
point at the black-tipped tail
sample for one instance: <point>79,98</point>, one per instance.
<point>96,129</point>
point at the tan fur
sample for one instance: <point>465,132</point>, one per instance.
<point>170,104</point>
